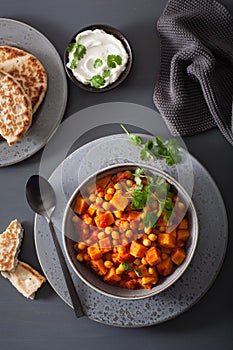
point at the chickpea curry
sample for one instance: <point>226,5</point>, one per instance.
<point>132,229</point>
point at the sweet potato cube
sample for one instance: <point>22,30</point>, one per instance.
<point>166,240</point>
<point>80,206</point>
<point>143,271</point>
<point>102,183</point>
<point>153,256</point>
<point>131,284</point>
<point>105,242</point>
<point>104,219</point>
<point>178,256</point>
<point>99,185</point>
<point>111,276</point>
<point>149,280</point>
<point>182,235</point>
<point>94,252</point>
<point>165,267</point>
<point>98,266</point>
<point>137,249</point>
<point>134,215</point>
<point>91,210</point>
<point>183,224</point>
<point>119,201</point>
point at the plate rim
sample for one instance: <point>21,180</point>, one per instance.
<point>64,105</point>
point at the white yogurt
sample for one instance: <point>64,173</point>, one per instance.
<point>99,45</point>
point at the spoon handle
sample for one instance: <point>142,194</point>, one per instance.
<point>70,285</point>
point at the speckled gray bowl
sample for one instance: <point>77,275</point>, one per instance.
<point>92,279</point>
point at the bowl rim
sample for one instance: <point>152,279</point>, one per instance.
<point>185,264</point>
<point>117,34</point>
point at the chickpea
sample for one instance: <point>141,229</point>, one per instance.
<point>129,233</point>
<point>146,242</point>
<point>81,245</point>
<point>115,235</point>
<point>143,261</point>
<point>80,257</point>
<point>118,214</point>
<point>108,230</point>
<point>99,200</point>
<point>152,237</point>
<point>152,270</point>
<point>101,194</point>
<point>129,183</point>
<point>108,197</point>
<point>108,264</point>
<point>181,205</point>
<point>133,225</point>
<point>75,219</point>
<point>117,186</point>
<point>106,206</point>
<point>110,190</point>
<point>101,235</point>
<point>115,242</point>
<point>140,226</point>
<point>92,197</point>
<point>147,230</point>
<point>88,220</point>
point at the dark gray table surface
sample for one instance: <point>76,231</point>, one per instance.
<point>48,322</point>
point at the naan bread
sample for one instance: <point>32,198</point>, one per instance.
<point>15,109</point>
<point>25,279</point>
<point>10,242</point>
<point>27,70</point>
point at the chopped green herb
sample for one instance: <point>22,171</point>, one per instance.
<point>138,272</point>
<point>135,140</point>
<point>97,81</point>
<point>139,199</point>
<point>113,60</point>
<point>167,149</point>
<point>168,210</point>
<point>106,73</point>
<point>98,63</point>
<point>126,266</point>
<point>78,51</point>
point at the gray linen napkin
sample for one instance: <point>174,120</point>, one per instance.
<point>194,91</point>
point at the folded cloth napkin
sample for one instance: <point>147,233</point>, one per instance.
<point>194,91</point>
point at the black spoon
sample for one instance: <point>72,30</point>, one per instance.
<point>41,198</point>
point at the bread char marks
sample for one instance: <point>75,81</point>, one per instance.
<point>10,241</point>
<point>27,70</point>
<point>15,112</point>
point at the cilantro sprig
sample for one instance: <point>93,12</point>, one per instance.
<point>78,51</point>
<point>157,190</point>
<point>98,80</point>
<point>98,63</point>
<point>114,60</point>
<point>167,149</point>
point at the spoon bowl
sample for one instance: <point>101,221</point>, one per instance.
<point>41,198</point>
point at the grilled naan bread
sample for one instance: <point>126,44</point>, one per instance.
<point>25,279</point>
<point>15,109</point>
<point>10,242</point>
<point>27,70</point>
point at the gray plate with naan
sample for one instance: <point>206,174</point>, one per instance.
<point>49,115</point>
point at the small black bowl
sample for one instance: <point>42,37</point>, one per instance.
<point>124,74</point>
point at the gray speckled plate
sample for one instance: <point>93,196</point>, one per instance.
<point>49,114</point>
<point>180,296</point>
